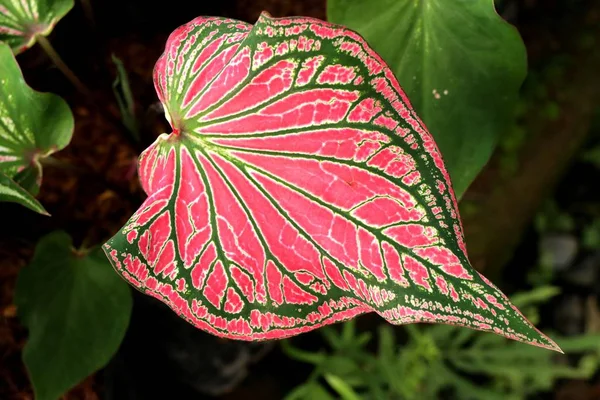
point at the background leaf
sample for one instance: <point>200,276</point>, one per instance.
<point>33,125</point>
<point>124,96</point>
<point>10,191</point>
<point>22,20</point>
<point>459,63</point>
<point>77,311</point>
<point>341,387</point>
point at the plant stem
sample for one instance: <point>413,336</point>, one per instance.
<point>49,49</point>
<point>89,96</point>
<point>89,12</point>
<point>51,161</point>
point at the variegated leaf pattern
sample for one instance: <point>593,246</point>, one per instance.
<point>33,125</point>
<point>11,192</point>
<point>298,188</point>
<point>22,20</point>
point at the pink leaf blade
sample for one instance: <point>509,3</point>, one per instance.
<point>304,191</point>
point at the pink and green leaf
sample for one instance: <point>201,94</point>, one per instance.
<point>22,20</point>
<point>297,189</point>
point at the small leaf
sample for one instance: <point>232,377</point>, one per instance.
<point>301,355</point>
<point>342,388</point>
<point>122,92</point>
<point>22,20</point>
<point>535,296</point>
<point>309,391</point>
<point>590,237</point>
<point>10,191</point>
<point>387,343</point>
<point>33,125</point>
<point>592,156</point>
<point>332,338</point>
<point>459,63</point>
<point>77,311</point>
<point>297,189</point>
<point>318,392</point>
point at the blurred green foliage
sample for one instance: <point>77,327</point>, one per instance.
<point>440,361</point>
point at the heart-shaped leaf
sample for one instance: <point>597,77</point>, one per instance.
<point>22,20</point>
<point>77,311</point>
<point>33,125</point>
<point>10,191</point>
<point>459,63</point>
<point>298,188</point>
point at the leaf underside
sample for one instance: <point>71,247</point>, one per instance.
<point>22,20</point>
<point>298,188</point>
<point>33,125</point>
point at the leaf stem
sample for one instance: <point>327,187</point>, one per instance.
<point>90,98</point>
<point>89,12</point>
<point>60,64</point>
<point>51,161</point>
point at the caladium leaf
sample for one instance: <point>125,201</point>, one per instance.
<point>10,191</point>
<point>33,125</point>
<point>298,188</point>
<point>77,312</point>
<point>22,20</point>
<point>458,61</point>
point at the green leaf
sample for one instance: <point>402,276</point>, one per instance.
<point>33,125</point>
<point>590,237</point>
<point>348,331</point>
<point>535,296</point>
<point>332,338</point>
<point>301,355</point>
<point>460,64</point>
<point>30,179</point>
<point>124,96</point>
<point>10,191</point>
<point>317,392</point>
<point>341,387</point>
<point>592,156</point>
<point>311,391</point>
<point>77,311</point>
<point>387,343</point>
<point>22,20</point>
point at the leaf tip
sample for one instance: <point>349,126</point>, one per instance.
<point>266,14</point>
<point>552,345</point>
